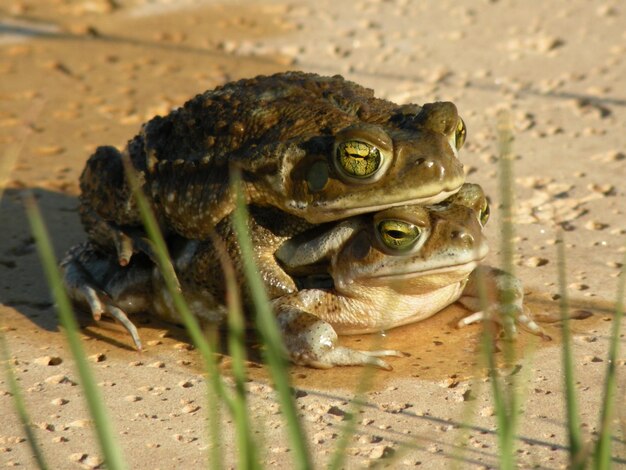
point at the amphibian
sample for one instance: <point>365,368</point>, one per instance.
<point>319,148</point>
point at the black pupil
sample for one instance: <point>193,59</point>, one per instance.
<point>397,234</point>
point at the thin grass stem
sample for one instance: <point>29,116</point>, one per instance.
<point>20,405</point>
<point>269,331</point>
<point>577,460</point>
<point>602,455</point>
<point>104,430</point>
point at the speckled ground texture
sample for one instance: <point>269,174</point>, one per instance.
<point>77,74</point>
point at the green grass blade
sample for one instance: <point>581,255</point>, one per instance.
<point>20,406</point>
<point>270,333</point>
<point>577,460</point>
<point>205,347</point>
<point>602,456</point>
<point>104,430</point>
<point>506,400</point>
<point>248,454</point>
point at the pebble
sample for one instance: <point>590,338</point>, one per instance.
<point>381,451</point>
<point>394,407</point>
<point>593,359</point>
<point>595,225</point>
<point>99,357</point>
<point>50,150</point>
<point>80,423</point>
<point>59,401</point>
<point>578,286</point>
<point>535,261</point>
<point>59,379</point>
<point>132,398</point>
<point>157,364</point>
<point>191,408</point>
<point>48,361</point>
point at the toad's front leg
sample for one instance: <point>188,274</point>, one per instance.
<point>495,285</point>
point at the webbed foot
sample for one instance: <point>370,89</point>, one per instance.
<point>312,342</point>
<point>495,282</point>
<point>84,271</point>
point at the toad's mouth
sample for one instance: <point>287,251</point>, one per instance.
<point>461,268</point>
<point>327,211</point>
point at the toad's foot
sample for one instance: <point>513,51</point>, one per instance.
<point>494,283</point>
<point>83,288</point>
<point>313,342</point>
<point>518,316</point>
<point>125,241</point>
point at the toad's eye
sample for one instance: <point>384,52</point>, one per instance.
<point>460,133</point>
<point>483,215</point>
<point>398,235</point>
<point>358,159</point>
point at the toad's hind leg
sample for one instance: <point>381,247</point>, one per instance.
<point>312,341</point>
<point>108,210</point>
<point>93,279</point>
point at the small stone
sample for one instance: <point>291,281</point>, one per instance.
<point>59,379</point>
<point>80,423</point>
<point>77,457</point>
<point>59,439</point>
<point>381,452</point>
<point>48,361</point>
<point>595,225</point>
<point>154,342</point>
<point>46,426</point>
<point>50,150</point>
<point>535,261</point>
<point>93,461</point>
<point>100,357</point>
<point>604,189</point>
<point>578,286</point>
<point>183,346</point>
<point>185,384</point>
<point>132,398</point>
<point>394,407</point>
<point>548,43</point>
<point>336,411</point>
<point>157,365</point>
<point>135,363</point>
<point>580,314</point>
<point>488,411</point>
<point>593,359</point>
<point>59,401</point>
<point>191,408</point>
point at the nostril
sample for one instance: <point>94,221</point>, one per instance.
<point>465,237</point>
<point>424,162</point>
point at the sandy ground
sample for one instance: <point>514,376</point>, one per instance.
<point>77,74</point>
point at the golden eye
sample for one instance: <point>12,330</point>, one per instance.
<point>460,133</point>
<point>358,159</point>
<point>398,235</point>
<point>484,213</point>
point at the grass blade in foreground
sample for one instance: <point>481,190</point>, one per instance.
<point>20,406</point>
<point>602,457</point>
<point>207,351</point>
<point>268,328</point>
<point>104,430</point>
<point>576,456</point>
<point>505,393</point>
<point>248,455</point>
